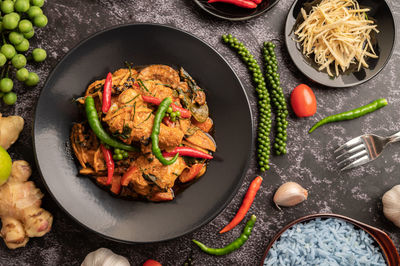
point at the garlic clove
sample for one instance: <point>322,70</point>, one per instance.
<point>290,194</point>
<point>391,205</point>
<point>104,257</point>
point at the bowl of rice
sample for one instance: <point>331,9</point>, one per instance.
<point>330,239</point>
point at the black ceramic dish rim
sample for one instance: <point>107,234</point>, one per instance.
<point>218,210</point>
<point>287,39</point>
<point>201,5</point>
<point>311,217</point>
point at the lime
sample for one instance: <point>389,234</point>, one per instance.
<point>5,165</point>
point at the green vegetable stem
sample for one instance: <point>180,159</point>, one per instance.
<point>352,114</point>
<point>237,243</point>
<point>162,108</point>
<point>264,123</point>
<point>95,125</point>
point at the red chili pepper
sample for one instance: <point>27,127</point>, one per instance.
<point>187,151</point>
<point>189,174</point>
<point>244,208</point>
<point>257,1</point>
<point>153,100</point>
<point>107,93</point>
<point>240,3</point>
<point>109,162</point>
<point>126,178</point>
<point>115,184</point>
<point>166,120</point>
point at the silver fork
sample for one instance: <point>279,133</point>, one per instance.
<point>362,149</point>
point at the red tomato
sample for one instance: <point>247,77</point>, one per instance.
<point>151,263</point>
<point>303,101</point>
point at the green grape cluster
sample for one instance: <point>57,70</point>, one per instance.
<point>17,21</point>
<point>264,123</point>
<point>277,97</point>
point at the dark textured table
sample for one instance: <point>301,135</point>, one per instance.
<point>309,161</point>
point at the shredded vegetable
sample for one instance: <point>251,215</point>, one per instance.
<point>337,32</point>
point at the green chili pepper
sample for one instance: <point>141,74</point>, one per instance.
<point>98,130</point>
<point>355,113</point>
<point>237,243</point>
<point>162,108</point>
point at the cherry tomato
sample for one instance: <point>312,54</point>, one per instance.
<point>303,101</point>
<point>151,262</point>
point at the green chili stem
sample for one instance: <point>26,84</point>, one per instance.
<point>352,114</point>
<point>237,243</point>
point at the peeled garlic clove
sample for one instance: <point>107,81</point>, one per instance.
<point>391,205</point>
<point>104,257</point>
<point>290,194</point>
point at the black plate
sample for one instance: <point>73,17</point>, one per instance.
<point>383,16</point>
<point>234,13</point>
<point>126,220</point>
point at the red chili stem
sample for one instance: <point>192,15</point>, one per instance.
<point>244,208</point>
<point>109,162</point>
<point>107,93</point>
<point>240,3</point>
<point>187,151</point>
<point>153,100</point>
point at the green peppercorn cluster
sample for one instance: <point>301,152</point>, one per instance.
<point>264,124</point>
<point>277,97</point>
<point>173,115</point>
<point>120,154</point>
<point>17,21</point>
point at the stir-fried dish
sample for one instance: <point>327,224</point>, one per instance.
<point>145,132</point>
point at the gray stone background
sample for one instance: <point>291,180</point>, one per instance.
<point>310,160</point>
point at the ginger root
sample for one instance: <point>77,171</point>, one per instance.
<point>20,211</point>
<point>10,127</point>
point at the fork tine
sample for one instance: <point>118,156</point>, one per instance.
<point>353,150</point>
<point>354,156</point>
<point>356,163</point>
<point>349,144</point>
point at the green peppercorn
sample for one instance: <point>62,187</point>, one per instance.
<point>263,142</point>
<point>278,99</point>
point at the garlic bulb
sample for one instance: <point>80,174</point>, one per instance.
<point>391,205</point>
<point>290,194</point>
<point>104,257</point>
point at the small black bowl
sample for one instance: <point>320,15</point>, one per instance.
<point>235,13</point>
<point>139,221</point>
<point>385,40</point>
